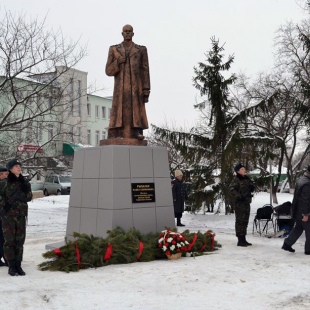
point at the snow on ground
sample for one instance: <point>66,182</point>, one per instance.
<point>259,277</point>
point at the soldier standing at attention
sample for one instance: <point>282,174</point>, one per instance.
<point>241,190</point>
<point>14,196</point>
<point>3,175</point>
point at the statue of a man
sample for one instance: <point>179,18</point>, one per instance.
<point>128,63</point>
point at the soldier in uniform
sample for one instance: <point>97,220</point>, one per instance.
<point>179,196</point>
<point>14,196</point>
<point>241,189</point>
<point>3,175</point>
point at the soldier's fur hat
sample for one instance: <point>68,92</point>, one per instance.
<point>238,167</point>
<point>12,163</point>
<point>3,169</point>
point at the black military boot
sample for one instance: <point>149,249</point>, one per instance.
<point>179,222</point>
<point>12,269</point>
<point>241,241</point>
<point>19,269</point>
<point>247,243</point>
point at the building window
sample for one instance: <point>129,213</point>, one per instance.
<point>79,98</point>
<point>50,131</point>
<point>39,132</point>
<point>18,133</point>
<point>88,137</point>
<point>109,113</point>
<point>97,137</point>
<point>103,134</point>
<point>79,134</point>
<point>88,109</point>
<point>71,134</point>
<point>97,111</point>
<point>103,109</point>
<point>71,97</point>
<point>50,103</point>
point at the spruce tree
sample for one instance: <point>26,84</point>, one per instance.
<point>218,143</point>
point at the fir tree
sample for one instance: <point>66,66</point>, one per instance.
<point>219,141</point>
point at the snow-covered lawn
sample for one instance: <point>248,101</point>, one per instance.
<point>259,277</point>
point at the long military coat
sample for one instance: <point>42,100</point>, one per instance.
<point>130,79</point>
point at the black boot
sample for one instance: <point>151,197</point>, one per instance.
<point>241,241</point>
<point>287,247</point>
<point>12,269</point>
<point>179,222</point>
<point>247,243</point>
<point>19,269</point>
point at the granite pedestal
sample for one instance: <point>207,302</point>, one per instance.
<point>101,192</point>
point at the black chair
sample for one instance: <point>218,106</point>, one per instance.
<point>263,217</point>
<point>283,216</point>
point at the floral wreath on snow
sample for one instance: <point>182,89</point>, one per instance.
<point>172,242</point>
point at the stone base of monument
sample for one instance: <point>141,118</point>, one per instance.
<point>118,185</point>
<point>123,141</point>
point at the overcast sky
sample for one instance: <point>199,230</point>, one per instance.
<point>177,35</point>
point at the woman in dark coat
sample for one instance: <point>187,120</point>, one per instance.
<point>179,196</point>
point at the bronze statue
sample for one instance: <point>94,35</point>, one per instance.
<point>128,63</point>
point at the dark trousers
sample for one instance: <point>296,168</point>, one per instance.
<point>1,240</point>
<point>242,213</point>
<point>296,232</point>
<point>14,232</point>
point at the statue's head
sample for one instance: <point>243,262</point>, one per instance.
<point>127,32</point>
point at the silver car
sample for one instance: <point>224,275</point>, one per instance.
<point>57,185</point>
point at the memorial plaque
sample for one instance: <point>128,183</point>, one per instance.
<point>142,192</point>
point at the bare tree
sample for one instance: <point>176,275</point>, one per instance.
<point>37,81</point>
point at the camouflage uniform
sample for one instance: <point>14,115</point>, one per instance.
<point>241,188</point>
<point>14,215</point>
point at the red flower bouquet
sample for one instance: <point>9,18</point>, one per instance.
<point>172,243</point>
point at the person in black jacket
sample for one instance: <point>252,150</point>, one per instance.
<point>14,196</point>
<point>241,189</point>
<point>301,213</point>
<point>3,175</point>
<point>179,196</point>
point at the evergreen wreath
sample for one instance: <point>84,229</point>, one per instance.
<point>120,247</point>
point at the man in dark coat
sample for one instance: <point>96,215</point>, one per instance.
<point>301,213</point>
<point>14,196</point>
<point>179,196</point>
<point>3,175</point>
<point>128,63</point>
<point>241,189</point>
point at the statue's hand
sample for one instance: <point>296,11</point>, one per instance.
<point>121,59</point>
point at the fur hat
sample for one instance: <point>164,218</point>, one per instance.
<point>178,173</point>
<point>12,163</point>
<point>238,167</point>
<point>3,169</point>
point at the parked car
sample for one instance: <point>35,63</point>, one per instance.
<point>57,185</point>
<point>286,188</point>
